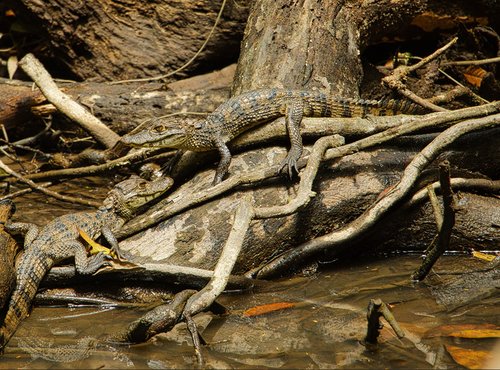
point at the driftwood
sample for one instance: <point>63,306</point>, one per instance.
<point>114,40</point>
<point>120,107</point>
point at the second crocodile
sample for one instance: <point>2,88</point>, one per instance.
<point>58,241</point>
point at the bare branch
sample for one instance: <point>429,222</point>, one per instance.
<point>50,193</point>
<point>65,104</point>
<point>447,223</point>
<point>370,217</point>
<point>395,80</point>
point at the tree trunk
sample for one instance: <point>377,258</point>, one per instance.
<point>306,44</point>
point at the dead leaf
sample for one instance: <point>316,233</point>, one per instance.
<point>475,75</point>
<point>266,308</point>
<point>469,358</point>
<point>12,66</point>
<point>471,333</point>
<point>465,331</point>
<point>94,246</point>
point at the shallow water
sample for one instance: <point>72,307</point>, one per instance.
<point>323,329</point>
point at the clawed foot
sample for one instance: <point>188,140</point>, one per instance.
<point>290,162</point>
<point>118,254</point>
<point>97,262</point>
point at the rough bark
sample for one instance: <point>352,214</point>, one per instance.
<point>306,44</point>
<point>109,40</point>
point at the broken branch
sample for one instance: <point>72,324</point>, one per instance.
<point>65,104</point>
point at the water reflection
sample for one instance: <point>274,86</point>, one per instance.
<point>322,329</point>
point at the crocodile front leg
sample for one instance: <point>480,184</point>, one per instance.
<point>294,110</point>
<point>225,160</point>
<point>113,242</point>
<point>87,265</point>
<point>29,231</point>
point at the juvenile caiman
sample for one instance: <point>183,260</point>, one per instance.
<point>58,241</point>
<point>242,112</point>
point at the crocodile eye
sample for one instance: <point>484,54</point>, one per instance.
<point>159,128</point>
<point>142,185</point>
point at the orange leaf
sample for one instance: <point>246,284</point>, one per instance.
<point>469,358</point>
<point>471,333</point>
<point>464,331</point>
<point>266,308</point>
<point>475,75</point>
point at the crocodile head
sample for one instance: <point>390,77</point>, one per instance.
<point>159,134</point>
<point>129,195</point>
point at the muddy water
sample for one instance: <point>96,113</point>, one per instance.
<point>323,329</point>
<point>323,326</point>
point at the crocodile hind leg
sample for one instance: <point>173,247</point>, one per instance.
<point>225,160</point>
<point>294,110</point>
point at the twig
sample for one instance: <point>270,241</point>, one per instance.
<point>160,319</point>
<point>485,185</point>
<point>472,62</point>
<point>174,275</point>
<point>447,224</point>
<point>450,95</point>
<point>23,191</point>
<point>65,104</point>
<point>185,64</point>
<point>205,297</point>
<point>376,309</point>
<point>195,336</point>
<point>339,239</point>
<point>304,192</point>
<point>50,193</point>
<point>436,208</point>
<point>176,204</point>
<point>395,80</point>
<point>476,97</point>
<point>124,161</point>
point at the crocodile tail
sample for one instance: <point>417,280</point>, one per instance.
<point>391,107</point>
<point>32,269</point>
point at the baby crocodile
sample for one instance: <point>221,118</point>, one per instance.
<point>252,108</point>
<point>58,241</point>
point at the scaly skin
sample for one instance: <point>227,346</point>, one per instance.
<point>58,241</point>
<point>242,112</point>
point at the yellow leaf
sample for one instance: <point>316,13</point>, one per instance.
<point>469,358</point>
<point>94,246</point>
<point>483,256</point>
